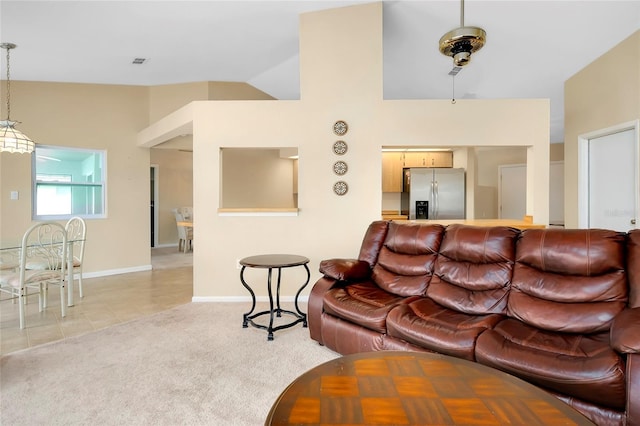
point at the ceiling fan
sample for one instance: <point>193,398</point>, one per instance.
<point>461,42</point>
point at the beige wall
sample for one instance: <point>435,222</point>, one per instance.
<point>606,93</point>
<point>488,161</point>
<point>107,117</point>
<point>88,116</point>
<point>165,99</point>
<point>337,84</point>
<point>556,152</point>
<point>230,90</point>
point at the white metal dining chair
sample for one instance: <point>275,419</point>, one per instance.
<point>185,233</point>
<point>43,244</point>
<point>76,235</point>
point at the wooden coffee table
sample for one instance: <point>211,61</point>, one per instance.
<point>413,388</point>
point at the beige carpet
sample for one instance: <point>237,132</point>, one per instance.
<point>191,365</point>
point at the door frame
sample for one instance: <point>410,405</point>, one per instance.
<point>156,201</point>
<point>583,166</point>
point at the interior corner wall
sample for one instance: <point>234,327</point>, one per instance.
<point>86,116</point>
<point>232,90</point>
<point>603,94</point>
<point>556,152</point>
<point>164,99</point>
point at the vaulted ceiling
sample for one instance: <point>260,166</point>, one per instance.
<point>532,47</point>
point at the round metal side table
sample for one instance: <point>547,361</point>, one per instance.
<point>271,262</point>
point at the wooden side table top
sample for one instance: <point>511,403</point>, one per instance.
<point>274,261</point>
<point>413,388</point>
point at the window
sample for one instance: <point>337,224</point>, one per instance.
<point>68,182</point>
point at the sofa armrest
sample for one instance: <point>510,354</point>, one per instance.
<point>625,337</point>
<point>315,306</point>
<point>633,389</point>
<point>345,269</point>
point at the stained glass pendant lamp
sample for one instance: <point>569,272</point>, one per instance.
<point>12,139</point>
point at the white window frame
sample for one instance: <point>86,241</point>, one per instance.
<point>100,183</point>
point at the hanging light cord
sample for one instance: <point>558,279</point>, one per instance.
<point>8,86</point>
<point>453,89</point>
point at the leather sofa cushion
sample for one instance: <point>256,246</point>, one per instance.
<point>372,241</point>
<point>429,325</point>
<point>583,366</point>
<point>363,303</point>
<point>407,258</point>
<point>569,280</point>
<point>473,271</point>
<point>586,252</point>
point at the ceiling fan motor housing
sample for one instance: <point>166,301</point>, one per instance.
<point>461,42</point>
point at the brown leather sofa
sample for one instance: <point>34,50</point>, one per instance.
<point>558,308</point>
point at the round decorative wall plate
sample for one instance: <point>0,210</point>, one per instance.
<point>340,127</point>
<point>340,148</point>
<point>340,187</point>
<point>340,167</point>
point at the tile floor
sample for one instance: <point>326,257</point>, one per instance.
<point>107,301</point>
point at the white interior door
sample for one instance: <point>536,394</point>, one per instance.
<point>512,191</point>
<point>611,162</point>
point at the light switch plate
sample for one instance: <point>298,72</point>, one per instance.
<point>14,195</point>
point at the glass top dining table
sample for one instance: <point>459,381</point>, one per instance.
<point>10,255</point>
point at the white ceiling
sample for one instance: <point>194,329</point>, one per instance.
<point>532,46</point>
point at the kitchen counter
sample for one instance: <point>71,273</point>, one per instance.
<point>514,223</point>
<point>393,215</point>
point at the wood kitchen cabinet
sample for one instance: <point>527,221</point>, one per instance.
<point>440,159</point>
<point>415,159</point>
<point>428,159</point>
<point>392,164</point>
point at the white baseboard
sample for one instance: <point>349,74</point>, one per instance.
<point>244,299</point>
<point>195,299</point>
<point>108,272</point>
<point>165,245</point>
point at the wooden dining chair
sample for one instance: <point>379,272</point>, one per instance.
<point>42,262</point>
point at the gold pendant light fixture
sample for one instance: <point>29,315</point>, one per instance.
<point>12,139</point>
<point>461,42</point>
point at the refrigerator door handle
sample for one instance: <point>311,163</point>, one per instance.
<point>436,206</point>
<point>432,202</point>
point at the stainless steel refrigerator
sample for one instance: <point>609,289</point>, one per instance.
<point>433,193</point>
